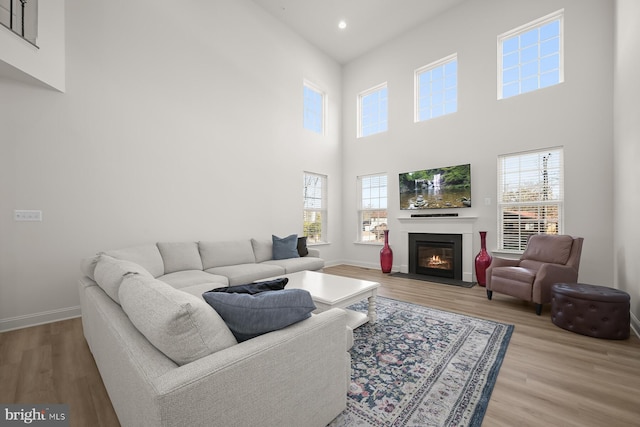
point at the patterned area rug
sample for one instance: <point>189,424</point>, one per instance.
<point>418,366</point>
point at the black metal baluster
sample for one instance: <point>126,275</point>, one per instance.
<point>24,2</point>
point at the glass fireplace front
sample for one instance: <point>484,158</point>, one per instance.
<point>438,255</point>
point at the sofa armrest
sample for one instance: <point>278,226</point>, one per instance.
<point>294,376</point>
<point>547,275</point>
<point>498,262</point>
<point>313,252</point>
<point>504,262</point>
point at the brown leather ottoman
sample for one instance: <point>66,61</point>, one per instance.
<point>596,311</point>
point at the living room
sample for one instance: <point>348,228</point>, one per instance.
<point>146,137</point>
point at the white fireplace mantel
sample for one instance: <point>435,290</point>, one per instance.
<point>446,225</point>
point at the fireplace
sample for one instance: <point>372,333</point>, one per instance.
<point>436,255</point>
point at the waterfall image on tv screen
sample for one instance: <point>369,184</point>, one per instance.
<point>440,188</point>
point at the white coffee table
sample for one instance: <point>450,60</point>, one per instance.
<point>329,291</point>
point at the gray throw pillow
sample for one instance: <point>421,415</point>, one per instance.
<point>251,315</point>
<point>285,247</point>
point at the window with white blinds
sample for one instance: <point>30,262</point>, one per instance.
<point>315,207</point>
<point>372,211</point>
<point>530,196</point>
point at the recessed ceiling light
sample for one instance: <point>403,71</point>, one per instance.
<point>342,24</point>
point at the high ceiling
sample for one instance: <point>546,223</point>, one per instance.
<point>369,22</point>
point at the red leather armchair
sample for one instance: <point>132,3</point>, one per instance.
<point>548,259</point>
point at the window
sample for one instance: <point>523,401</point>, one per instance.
<point>531,57</point>
<point>21,17</point>
<point>436,89</point>
<point>373,208</point>
<point>314,108</point>
<point>315,208</point>
<point>530,196</point>
<point>372,111</point>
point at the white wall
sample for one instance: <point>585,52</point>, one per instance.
<point>177,124</point>
<point>627,152</point>
<point>575,114</point>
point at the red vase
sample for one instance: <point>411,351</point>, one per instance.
<point>483,260</point>
<point>386,254</point>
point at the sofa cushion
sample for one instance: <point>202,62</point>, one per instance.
<point>197,290</point>
<point>181,279</point>
<point>262,250</point>
<point>251,315</point>
<point>247,273</point>
<point>148,256</point>
<point>109,274</point>
<point>285,247</point>
<point>179,256</point>
<point>180,325</point>
<point>218,254</point>
<point>292,265</point>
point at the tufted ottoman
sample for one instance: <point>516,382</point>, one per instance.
<point>596,311</point>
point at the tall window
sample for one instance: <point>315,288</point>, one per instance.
<point>531,57</point>
<point>373,207</point>
<point>21,17</point>
<point>436,87</point>
<point>530,196</point>
<point>372,111</point>
<point>315,208</point>
<point>314,108</point>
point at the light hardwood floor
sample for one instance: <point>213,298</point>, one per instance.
<point>549,377</point>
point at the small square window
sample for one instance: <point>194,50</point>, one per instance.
<point>372,111</point>
<point>436,89</point>
<point>531,57</point>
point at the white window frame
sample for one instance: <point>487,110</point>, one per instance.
<point>314,199</point>
<point>360,110</point>
<point>311,109</point>
<point>555,16</point>
<point>441,63</point>
<point>524,198</point>
<point>373,193</point>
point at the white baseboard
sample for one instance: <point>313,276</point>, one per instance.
<point>28,320</point>
<point>358,264</point>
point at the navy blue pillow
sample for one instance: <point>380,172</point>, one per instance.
<point>302,246</point>
<point>255,287</point>
<point>248,316</point>
<point>286,247</point>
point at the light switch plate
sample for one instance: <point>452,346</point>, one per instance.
<point>27,215</point>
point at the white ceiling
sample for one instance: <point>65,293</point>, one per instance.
<point>370,23</point>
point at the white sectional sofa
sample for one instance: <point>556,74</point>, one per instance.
<point>167,358</point>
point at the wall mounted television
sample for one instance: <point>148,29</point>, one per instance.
<point>439,188</point>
